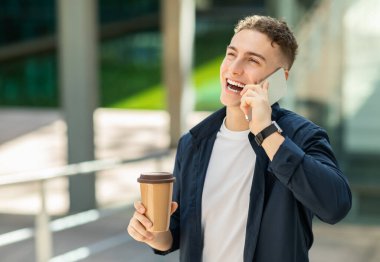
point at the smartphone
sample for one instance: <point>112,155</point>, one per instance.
<point>277,88</point>
<point>277,85</point>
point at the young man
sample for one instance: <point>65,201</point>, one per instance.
<point>246,199</point>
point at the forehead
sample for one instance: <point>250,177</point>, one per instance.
<point>247,41</point>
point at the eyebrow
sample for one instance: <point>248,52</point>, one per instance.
<point>249,53</point>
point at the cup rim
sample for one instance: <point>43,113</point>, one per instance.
<point>156,178</point>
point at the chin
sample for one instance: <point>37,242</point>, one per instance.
<point>229,101</point>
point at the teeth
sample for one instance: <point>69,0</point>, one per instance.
<point>235,83</point>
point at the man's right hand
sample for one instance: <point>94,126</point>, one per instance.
<point>139,224</point>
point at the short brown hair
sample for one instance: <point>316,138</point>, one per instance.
<point>277,31</point>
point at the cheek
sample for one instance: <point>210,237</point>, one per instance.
<point>253,76</point>
<point>223,66</point>
<point>221,75</point>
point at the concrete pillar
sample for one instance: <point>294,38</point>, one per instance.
<point>78,70</point>
<point>284,9</point>
<point>178,27</point>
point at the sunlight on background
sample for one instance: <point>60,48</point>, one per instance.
<point>335,82</point>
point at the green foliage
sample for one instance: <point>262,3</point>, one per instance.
<point>121,81</point>
<point>135,80</point>
<point>130,73</point>
<point>205,78</point>
<point>151,98</point>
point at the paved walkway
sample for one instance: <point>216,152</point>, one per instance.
<point>34,139</point>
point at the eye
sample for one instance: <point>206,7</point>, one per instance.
<point>253,60</point>
<point>230,56</point>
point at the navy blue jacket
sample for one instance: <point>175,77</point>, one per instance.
<point>303,180</point>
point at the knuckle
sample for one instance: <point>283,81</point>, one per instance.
<point>132,225</point>
<point>138,237</point>
<point>135,216</point>
<point>137,204</point>
<point>135,234</point>
<point>250,92</point>
<point>141,218</point>
<point>142,223</point>
<point>132,232</point>
<point>146,235</point>
<point>135,223</point>
<point>146,222</point>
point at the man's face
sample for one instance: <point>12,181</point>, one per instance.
<point>250,57</point>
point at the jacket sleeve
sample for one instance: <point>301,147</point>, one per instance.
<point>311,172</point>
<point>175,218</point>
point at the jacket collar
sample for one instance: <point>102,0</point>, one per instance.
<point>209,126</point>
<point>212,123</point>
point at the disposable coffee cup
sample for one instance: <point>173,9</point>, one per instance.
<point>156,195</point>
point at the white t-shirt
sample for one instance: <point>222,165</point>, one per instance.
<point>225,198</point>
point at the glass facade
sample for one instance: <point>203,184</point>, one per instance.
<point>32,80</point>
<point>130,70</point>
<point>125,60</point>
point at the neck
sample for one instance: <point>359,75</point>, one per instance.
<point>235,120</point>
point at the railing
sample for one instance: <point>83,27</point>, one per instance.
<point>43,242</point>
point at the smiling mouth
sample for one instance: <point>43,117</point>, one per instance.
<point>234,86</point>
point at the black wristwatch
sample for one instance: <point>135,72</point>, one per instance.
<point>259,138</point>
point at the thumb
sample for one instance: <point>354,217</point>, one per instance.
<point>173,207</point>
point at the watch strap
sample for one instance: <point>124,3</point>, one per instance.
<point>272,128</point>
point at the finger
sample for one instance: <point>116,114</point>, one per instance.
<point>136,235</point>
<point>173,207</point>
<point>246,103</point>
<point>143,220</point>
<point>248,87</point>
<point>245,107</point>
<point>251,86</point>
<point>266,86</point>
<point>139,228</point>
<point>139,207</point>
<point>257,91</point>
<point>250,92</point>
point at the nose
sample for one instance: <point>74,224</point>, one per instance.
<point>236,67</point>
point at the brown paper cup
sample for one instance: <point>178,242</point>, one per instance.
<point>156,195</point>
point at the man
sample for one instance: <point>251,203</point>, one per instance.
<point>248,190</point>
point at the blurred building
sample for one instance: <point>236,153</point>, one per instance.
<point>336,84</point>
<point>334,81</point>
